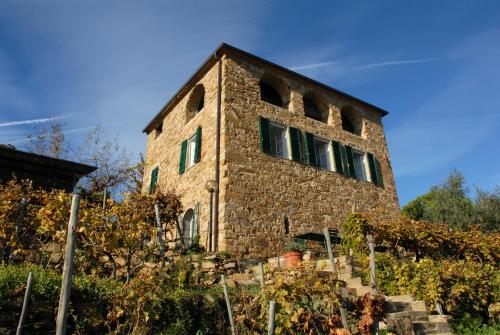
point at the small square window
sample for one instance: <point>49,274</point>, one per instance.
<point>323,153</point>
<point>279,140</point>
<point>359,165</point>
<point>158,130</point>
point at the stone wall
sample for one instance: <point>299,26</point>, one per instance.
<point>261,190</point>
<point>163,151</point>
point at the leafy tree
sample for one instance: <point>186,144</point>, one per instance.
<point>450,203</point>
<point>488,209</point>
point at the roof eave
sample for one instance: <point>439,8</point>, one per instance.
<point>213,57</point>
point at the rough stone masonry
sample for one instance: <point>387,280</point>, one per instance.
<point>295,155</point>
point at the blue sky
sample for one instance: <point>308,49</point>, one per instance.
<point>435,65</point>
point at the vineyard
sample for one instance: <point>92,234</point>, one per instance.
<point>123,283</point>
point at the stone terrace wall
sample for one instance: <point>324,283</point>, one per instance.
<point>261,190</point>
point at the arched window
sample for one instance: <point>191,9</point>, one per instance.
<point>201,102</point>
<point>196,102</point>
<point>269,94</point>
<point>347,124</point>
<point>188,231</point>
<point>351,121</point>
<point>312,110</point>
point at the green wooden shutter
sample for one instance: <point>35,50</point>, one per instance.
<point>350,161</point>
<point>337,155</point>
<point>373,169</point>
<point>265,137</point>
<point>182,162</point>
<point>379,173</point>
<point>296,139</point>
<point>345,164</point>
<point>197,151</point>
<point>311,150</point>
<point>154,180</point>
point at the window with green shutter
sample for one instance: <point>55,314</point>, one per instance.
<point>265,137</point>
<point>337,156</point>
<point>197,150</point>
<point>154,180</point>
<point>378,169</point>
<point>311,150</point>
<point>296,140</point>
<point>373,169</point>
<point>182,161</point>
<point>190,151</point>
<point>350,161</point>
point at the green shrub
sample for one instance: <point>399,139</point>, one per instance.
<point>468,325</point>
<point>147,304</point>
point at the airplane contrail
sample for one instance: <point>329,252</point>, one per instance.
<point>32,121</point>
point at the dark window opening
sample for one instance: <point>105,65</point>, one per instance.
<point>201,103</point>
<point>269,94</point>
<point>158,130</point>
<point>312,111</point>
<point>347,125</point>
<point>287,226</point>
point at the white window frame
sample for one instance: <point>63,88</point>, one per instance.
<point>191,154</point>
<point>322,143</point>
<point>364,164</point>
<point>273,127</point>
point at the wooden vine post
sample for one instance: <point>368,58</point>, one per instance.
<point>25,305</point>
<point>272,313</point>
<point>343,312</point>
<point>371,247</point>
<point>62,313</point>
<point>228,304</point>
<point>261,274</point>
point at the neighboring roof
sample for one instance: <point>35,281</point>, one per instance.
<point>45,172</point>
<point>11,154</point>
<point>216,55</point>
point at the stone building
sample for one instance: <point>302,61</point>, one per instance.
<point>286,155</point>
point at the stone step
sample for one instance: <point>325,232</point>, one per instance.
<point>419,306</point>
<point>415,316</point>
<point>430,327</point>
<point>325,265</point>
<point>361,290</point>
<point>400,298</point>
<point>353,282</point>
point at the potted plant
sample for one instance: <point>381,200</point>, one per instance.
<point>294,251</point>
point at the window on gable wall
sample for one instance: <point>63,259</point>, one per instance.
<point>158,130</point>
<point>154,180</point>
<point>201,102</point>
<point>190,151</point>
